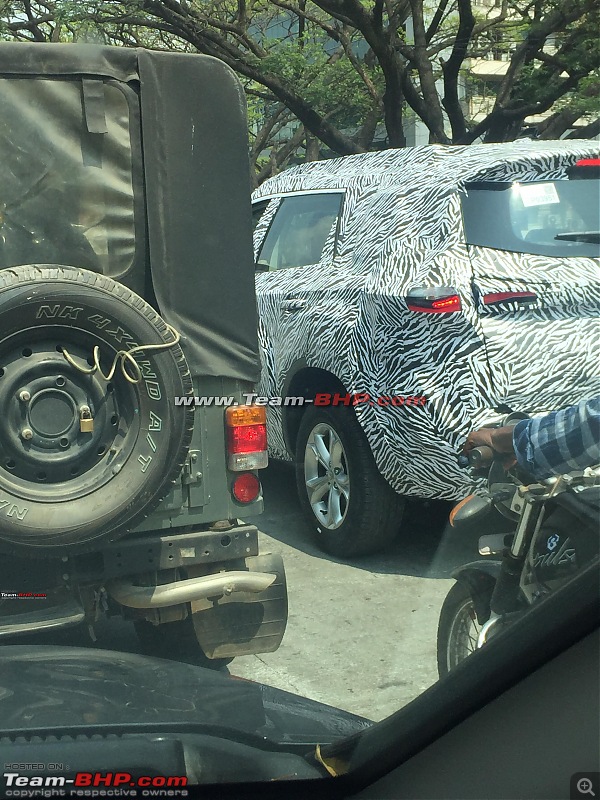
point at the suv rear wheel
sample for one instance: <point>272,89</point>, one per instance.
<point>351,509</point>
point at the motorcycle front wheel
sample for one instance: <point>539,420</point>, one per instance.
<point>459,627</point>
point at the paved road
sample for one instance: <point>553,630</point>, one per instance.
<point>361,635</point>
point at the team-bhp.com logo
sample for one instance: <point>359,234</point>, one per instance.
<point>322,399</point>
<point>362,398</point>
<point>94,784</point>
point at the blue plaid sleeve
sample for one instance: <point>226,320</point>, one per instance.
<point>561,441</point>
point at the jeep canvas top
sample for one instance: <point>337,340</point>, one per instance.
<point>123,296</point>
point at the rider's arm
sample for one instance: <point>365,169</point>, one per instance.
<point>559,442</point>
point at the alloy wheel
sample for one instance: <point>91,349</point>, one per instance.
<point>326,476</point>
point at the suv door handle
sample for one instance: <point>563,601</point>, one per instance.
<point>293,304</point>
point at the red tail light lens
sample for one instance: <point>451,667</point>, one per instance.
<point>451,303</point>
<point>585,169</point>
<point>249,439</point>
<point>246,487</point>
<point>494,298</point>
<point>246,437</point>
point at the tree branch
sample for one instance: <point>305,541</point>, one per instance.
<point>430,109</point>
<point>587,131</point>
<point>435,22</point>
<point>451,69</point>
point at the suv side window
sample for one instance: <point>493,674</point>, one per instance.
<point>299,230</point>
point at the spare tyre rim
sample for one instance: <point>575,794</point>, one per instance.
<point>43,450</point>
<point>326,476</point>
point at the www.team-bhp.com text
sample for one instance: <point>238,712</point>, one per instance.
<point>323,399</point>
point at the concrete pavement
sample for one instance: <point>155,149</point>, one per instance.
<point>362,635</point>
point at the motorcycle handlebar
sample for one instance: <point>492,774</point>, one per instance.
<point>481,456</point>
<point>477,458</point>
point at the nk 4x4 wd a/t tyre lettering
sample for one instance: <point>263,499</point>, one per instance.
<point>82,459</point>
<point>350,507</point>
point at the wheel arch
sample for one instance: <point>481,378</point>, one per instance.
<point>304,381</point>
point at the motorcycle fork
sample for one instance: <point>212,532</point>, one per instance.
<point>529,501</point>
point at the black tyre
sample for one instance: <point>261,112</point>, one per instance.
<point>458,627</point>
<point>64,488</point>
<point>348,504</point>
<point>175,641</point>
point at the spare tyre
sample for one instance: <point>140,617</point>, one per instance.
<point>83,459</point>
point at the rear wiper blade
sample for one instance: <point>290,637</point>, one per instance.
<point>593,237</point>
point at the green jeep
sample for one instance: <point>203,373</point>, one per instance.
<point>128,345</point>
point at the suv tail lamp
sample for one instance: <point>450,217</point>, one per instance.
<point>246,437</point>
<point>585,168</point>
<point>495,298</point>
<point>433,300</point>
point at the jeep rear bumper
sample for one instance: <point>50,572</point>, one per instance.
<point>237,599</point>
<point>152,551</point>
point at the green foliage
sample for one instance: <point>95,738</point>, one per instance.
<point>313,56</point>
<point>331,85</point>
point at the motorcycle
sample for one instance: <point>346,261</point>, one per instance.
<point>543,533</point>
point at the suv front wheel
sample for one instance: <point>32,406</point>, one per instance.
<point>348,504</point>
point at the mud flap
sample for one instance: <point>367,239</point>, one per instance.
<point>244,623</point>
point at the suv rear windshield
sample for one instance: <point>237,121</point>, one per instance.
<point>554,218</point>
<point>66,194</point>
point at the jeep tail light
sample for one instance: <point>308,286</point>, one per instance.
<point>433,300</point>
<point>246,437</point>
<point>246,487</point>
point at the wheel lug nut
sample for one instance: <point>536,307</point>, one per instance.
<point>24,396</point>
<point>27,433</point>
